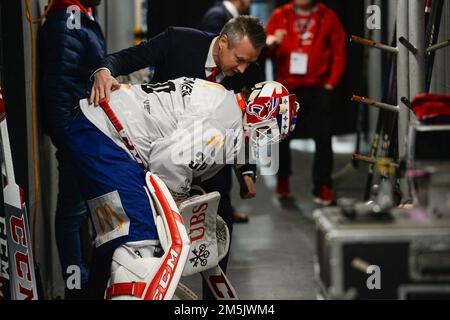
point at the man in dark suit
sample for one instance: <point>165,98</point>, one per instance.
<point>228,58</point>
<point>219,14</point>
<point>188,52</point>
<point>213,21</point>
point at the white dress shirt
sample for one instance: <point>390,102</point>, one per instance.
<point>211,64</point>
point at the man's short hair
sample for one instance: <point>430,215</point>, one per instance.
<point>239,27</point>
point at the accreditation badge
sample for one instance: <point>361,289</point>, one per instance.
<point>298,63</point>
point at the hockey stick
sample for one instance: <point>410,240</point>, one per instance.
<point>216,279</point>
<point>431,37</point>
<point>427,10</point>
<point>5,291</point>
<point>380,134</point>
<point>121,131</point>
<point>22,280</point>
<point>384,132</point>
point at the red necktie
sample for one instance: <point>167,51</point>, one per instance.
<point>214,73</point>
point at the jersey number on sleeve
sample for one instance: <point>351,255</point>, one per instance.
<point>167,87</point>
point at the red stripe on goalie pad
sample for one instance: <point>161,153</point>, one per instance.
<point>135,289</point>
<point>161,282</point>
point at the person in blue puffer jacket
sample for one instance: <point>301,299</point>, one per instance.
<point>71,44</point>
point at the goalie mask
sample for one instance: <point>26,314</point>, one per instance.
<point>271,114</point>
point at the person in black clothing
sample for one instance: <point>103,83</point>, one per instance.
<point>219,14</point>
<point>227,58</point>
<point>67,57</point>
<point>213,21</point>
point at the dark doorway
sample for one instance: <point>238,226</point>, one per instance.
<point>12,80</point>
<point>162,14</point>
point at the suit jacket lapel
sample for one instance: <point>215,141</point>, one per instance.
<point>204,55</point>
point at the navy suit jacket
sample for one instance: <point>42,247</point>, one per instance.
<point>215,18</point>
<point>67,59</point>
<point>175,53</point>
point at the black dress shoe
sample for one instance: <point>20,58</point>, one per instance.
<point>239,217</point>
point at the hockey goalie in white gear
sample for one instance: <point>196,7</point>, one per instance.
<point>147,122</point>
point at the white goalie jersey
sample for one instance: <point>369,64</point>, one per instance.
<point>183,129</point>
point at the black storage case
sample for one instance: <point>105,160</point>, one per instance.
<point>411,250</point>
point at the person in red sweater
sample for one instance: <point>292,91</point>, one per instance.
<point>308,44</point>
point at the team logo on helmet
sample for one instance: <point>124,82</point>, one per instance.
<point>263,112</point>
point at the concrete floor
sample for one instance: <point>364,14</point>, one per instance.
<point>272,255</point>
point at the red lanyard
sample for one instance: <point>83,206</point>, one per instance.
<point>304,28</point>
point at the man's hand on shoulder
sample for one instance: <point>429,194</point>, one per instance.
<point>104,83</point>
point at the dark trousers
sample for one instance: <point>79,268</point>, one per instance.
<point>99,273</point>
<point>313,121</point>
<point>71,214</point>
<point>221,182</point>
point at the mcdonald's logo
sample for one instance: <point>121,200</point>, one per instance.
<point>108,219</point>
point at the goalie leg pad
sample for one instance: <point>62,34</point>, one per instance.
<point>164,283</point>
<point>133,265</point>
<point>145,276</point>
